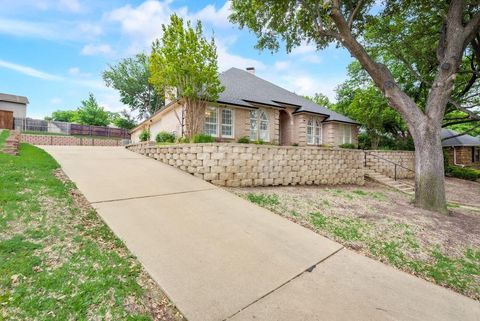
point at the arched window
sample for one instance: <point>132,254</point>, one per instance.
<point>314,131</point>
<point>310,129</point>
<point>263,134</point>
<point>259,125</point>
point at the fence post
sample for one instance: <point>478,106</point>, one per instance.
<point>365,158</point>
<point>395,174</point>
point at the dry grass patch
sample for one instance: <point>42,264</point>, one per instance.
<point>383,224</point>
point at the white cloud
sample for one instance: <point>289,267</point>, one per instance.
<point>314,59</point>
<point>27,28</point>
<point>218,18</point>
<point>227,60</point>
<point>28,71</point>
<point>304,48</point>
<point>282,64</point>
<point>70,5</point>
<point>76,72</point>
<point>100,49</point>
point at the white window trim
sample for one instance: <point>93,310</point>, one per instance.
<point>344,128</point>
<point>217,121</point>
<point>314,121</point>
<point>232,125</point>
<point>258,121</point>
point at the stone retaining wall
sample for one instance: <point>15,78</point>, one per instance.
<point>382,166</point>
<point>229,164</point>
<point>68,140</point>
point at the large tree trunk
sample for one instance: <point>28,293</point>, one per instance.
<point>194,116</point>
<point>429,169</point>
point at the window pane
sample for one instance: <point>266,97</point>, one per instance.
<point>263,126</point>
<point>227,122</point>
<point>318,132</point>
<point>211,117</point>
<point>253,125</point>
<point>310,139</point>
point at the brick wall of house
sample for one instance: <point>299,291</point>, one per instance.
<point>464,155</point>
<point>226,164</point>
<point>68,140</point>
<point>381,165</point>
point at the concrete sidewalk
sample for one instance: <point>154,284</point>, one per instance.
<point>220,257</point>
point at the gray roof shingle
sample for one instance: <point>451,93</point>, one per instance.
<point>243,88</point>
<point>464,140</point>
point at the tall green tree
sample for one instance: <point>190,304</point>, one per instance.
<point>64,115</point>
<point>130,77</point>
<point>185,62</point>
<point>455,25</point>
<point>320,99</point>
<point>90,113</point>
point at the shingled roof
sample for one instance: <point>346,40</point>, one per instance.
<point>464,140</point>
<point>243,88</point>
<point>13,98</point>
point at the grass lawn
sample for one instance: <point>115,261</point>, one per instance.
<point>3,137</point>
<point>383,224</point>
<point>58,260</point>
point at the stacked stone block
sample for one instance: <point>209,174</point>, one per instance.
<point>235,165</point>
<point>68,140</point>
<point>376,160</point>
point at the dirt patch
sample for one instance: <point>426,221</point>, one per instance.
<point>382,223</point>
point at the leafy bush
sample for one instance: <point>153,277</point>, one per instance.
<point>203,138</point>
<point>183,140</point>
<point>258,142</point>
<point>244,140</point>
<point>165,137</point>
<point>463,172</point>
<point>145,135</point>
<point>348,146</point>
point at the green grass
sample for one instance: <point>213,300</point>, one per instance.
<point>263,199</point>
<point>58,262</point>
<point>3,137</point>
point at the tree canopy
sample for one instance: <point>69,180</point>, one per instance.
<point>185,61</point>
<point>437,35</point>
<point>90,113</point>
<point>130,77</point>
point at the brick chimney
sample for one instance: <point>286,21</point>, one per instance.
<point>251,70</point>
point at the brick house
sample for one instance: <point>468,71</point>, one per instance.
<point>253,107</point>
<point>461,150</point>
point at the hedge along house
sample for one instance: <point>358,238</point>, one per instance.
<point>462,150</point>
<point>255,108</point>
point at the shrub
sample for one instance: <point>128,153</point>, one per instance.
<point>183,140</point>
<point>244,140</point>
<point>348,146</point>
<point>258,142</point>
<point>203,138</point>
<point>144,135</point>
<point>463,172</point>
<point>165,137</point>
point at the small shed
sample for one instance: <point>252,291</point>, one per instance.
<point>462,150</point>
<point>15,104</point>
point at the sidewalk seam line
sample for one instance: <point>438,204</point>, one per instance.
<point>309,270</point>
<point>155,195</point>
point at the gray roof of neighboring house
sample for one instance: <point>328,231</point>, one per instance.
<point>464,140</point>
<point>243,88</point>
<point>13,98</point>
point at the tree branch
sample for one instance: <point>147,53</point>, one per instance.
<point>464,121</point>
<point>353,14</point>
<point>471,29</point>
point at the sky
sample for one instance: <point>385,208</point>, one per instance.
<point>54,52</point>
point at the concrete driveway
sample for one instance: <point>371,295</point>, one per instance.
<point>220,257</point>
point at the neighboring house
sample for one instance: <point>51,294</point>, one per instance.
<point>461,150</point>
<point>16,104</point>
<point>252,107</point>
